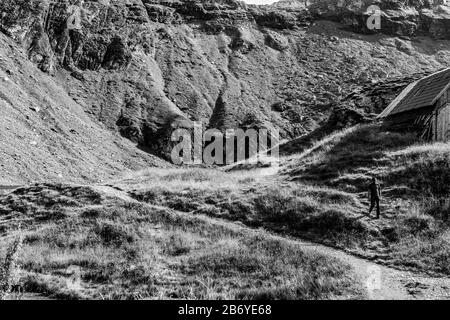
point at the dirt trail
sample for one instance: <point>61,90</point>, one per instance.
<point>381,282</point>
<point>387,283</point>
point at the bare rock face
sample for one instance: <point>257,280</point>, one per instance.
<point>144,68</point>
<point>282,15</point>
<point>276,41</point>
<point>399,18</point>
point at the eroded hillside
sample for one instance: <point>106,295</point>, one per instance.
<point>46,136</point>
<point>143,68</point>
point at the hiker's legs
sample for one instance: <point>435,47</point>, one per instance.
<point>378,208</point>
<point>372,205</point>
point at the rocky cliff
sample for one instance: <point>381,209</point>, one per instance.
<point>398,17</point>
<point>145,67</point>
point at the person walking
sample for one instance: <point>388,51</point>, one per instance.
<point>375,196</point>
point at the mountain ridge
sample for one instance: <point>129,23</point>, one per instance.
<point>145,68</point>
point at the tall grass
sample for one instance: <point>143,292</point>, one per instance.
<point>8,268</point>
<point>323,214</point>
<point>357,149</point>
<point>424,168</point>
<point>420,237</point>
<point>128,250</point>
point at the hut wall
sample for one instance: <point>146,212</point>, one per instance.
<point>441,120</point>
<point>431,123</point>
<point>418,121</point>
<point>443,123</point>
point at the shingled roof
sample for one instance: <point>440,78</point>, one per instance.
<point>420,94</point>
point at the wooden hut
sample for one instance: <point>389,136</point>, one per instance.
<point>423,107</point>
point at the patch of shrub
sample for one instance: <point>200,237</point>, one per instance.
<point>419,224</point>
<point>226,262</point>
<point>196,175</point>
<point>114,233</point>
<point>331,196</point>
<point>280,206</point>
<point>238,209</point>
<point>335,221</point>
<point>57,213</point>
<point>439,211</point>
<point>429,176</point>
<point>136,276</point>
<point>93,213</point>
<point>306,288</point>
<point>101,274</point>
<point>177,245</point>
<point>183,204</point>
<point>8,268</point>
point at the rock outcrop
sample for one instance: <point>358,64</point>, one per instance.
<point>400,18</point>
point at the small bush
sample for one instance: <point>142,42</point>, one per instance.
<point>281,206</point>
<point>335,221</point>
<point>420,238</point>
<point>196,175</point>
<point>419,224</point>
<point>227,262</point>
<point>178,244</point>
<point>93,213</point>
<point>422,220</point>
<point>8,268</point>
<point>305,288</point>
<point>439,211</point>
<point>114,234</point>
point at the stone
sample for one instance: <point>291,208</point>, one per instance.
<point>276,41</point>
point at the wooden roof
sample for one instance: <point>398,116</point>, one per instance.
<point>420,94</point>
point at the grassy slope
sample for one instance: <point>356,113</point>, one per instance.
<point>148,235</point>
<point>83,242</point>
<point>322,195</point>
<point>415,178</point>
<point>255,200</point>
